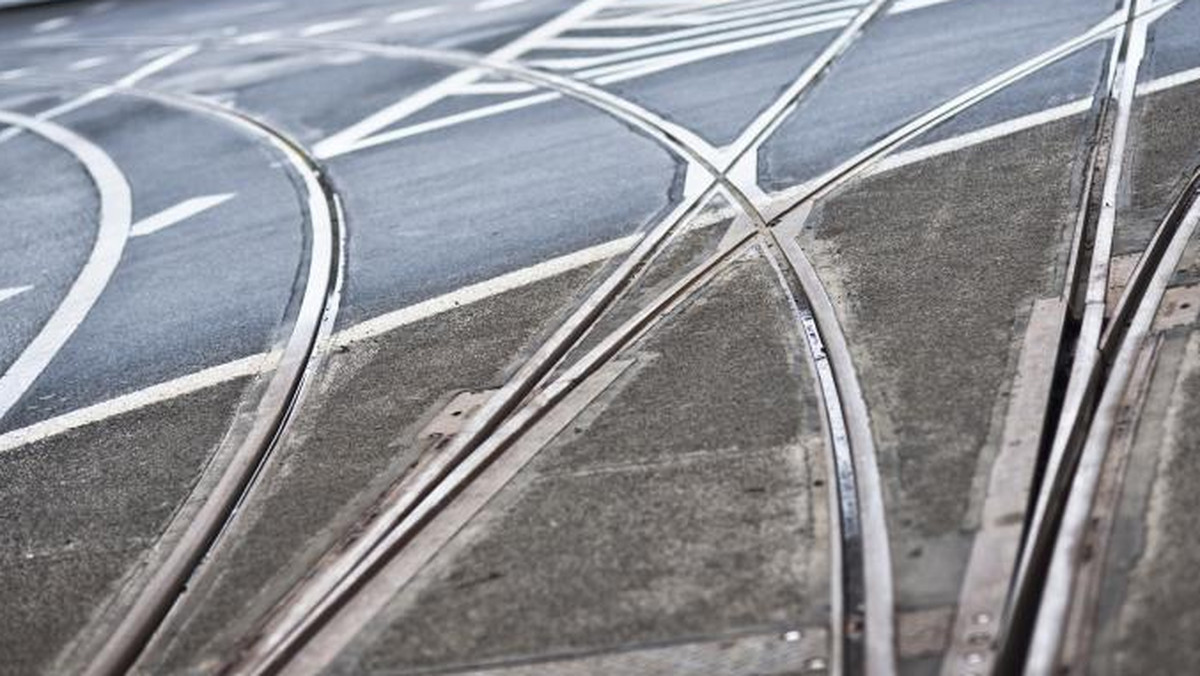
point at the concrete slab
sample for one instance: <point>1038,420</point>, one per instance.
<point>934,269</point>
<point>686,503</point>
<point>82,511</point>
<point>355,435</point>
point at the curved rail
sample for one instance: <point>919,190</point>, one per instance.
<point>289,365</point>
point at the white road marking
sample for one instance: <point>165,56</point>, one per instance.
<point>1168,81</point>
<point>11,291</point>
<point>353,137</point>
<point>170,58</point>
<point>371,328</point>
<point>100,7</point>
<point>406,15</point>
<point>591,42</point>
<point>255,38</point>
<point>88,63</point>
<point>990,133</point>
<point>115,220</point>
<point>52,24</point>
<point>485,5</point>
<point>182,211</point>
<point>134,401</point>
<point>902,6</point>
<point>331,27</point>
<point>447,121</point>
<point>370,131</point>
<point>836,18</point>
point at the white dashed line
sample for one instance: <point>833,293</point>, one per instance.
<point>331,27</point>
<point>487,5</point>
<point>88,64</point>
<point>178,213</point>
<point>256,38</point>
<point>52,24</point>
<point>404,16</point>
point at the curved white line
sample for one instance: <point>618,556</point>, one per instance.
<point>116,216</point>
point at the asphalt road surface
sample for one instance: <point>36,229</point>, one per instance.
<point>608,337</point>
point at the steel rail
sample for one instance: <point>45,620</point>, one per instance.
<point>1086,294</point>
<point>1070,544</point>
<point>831,182</point>
<point>495,418</point>
<point>290,368</point>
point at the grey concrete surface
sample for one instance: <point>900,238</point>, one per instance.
<point>656,516</point>
<point>933,269</point>
<point>356,434</point>
<point>81,511</point>
<point>682,516</point>
<point>1163,156</point>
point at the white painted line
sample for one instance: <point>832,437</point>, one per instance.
<point>493,88</point>
<point>115,220</point>
<point>256,38</point>
<point>813,14</point>
<point>621,72</point>
<point>11,291</point>
<point>331,27</point>
<point>477,292</point>
<point>441,123</point>
<point>87,64</point>
<point>353,137</point>
<point>406,15</point>
<point>903,6</point>
<point>137,400</point>
<point>52,24</point>
<point>371,328</point>
<point>990,133</point>
<point>175,214</point>
<point>576,63</point>
<point>486,5</point>
<point>1169,81</point>
<point>162,62</point>
<point>159,64</point>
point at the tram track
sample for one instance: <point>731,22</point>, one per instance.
<point>527,397</point>
<point>500,421</point>
<point>144,603</point>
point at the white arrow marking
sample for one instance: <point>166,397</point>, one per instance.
<point>5,294</point>
<point>182,211</point>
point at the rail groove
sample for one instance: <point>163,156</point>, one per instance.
<point>521,403</point>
